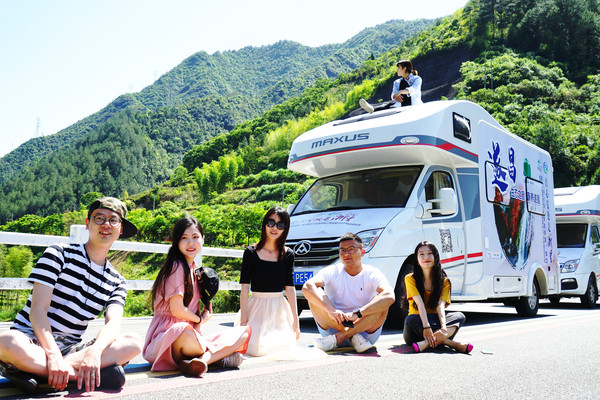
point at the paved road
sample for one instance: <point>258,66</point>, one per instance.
<point>553,356</point>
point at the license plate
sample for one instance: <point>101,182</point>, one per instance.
<point>300,278</point>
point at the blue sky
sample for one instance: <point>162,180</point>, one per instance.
<point>63,60</point>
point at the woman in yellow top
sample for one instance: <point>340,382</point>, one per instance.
<point>428,295</point>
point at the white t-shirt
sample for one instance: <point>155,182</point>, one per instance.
<point>346,292</point>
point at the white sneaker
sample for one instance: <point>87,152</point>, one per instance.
<point>366,106</point>
<point>326,343</point>
<point>233,360</point>
<point>360,344</point>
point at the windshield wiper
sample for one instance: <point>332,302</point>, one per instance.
<point>307,212</point>
<point>340,208</point>
<point>325,209</point>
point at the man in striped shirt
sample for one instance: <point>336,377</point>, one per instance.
<point>72,285</point>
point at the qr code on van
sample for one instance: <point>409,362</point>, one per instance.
<point>446,239</point>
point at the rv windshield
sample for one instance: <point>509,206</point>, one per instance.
<point>374,188</point>
<point>571,235</point>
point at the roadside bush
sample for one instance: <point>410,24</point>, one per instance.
<point>226,301</point>
<point>137,304</point>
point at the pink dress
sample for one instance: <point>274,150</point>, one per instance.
<point>166,328</point>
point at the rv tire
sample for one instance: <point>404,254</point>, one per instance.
<point>554,300</point>
<point>509,302</point>
<point>527,306</point>
<point>396,314</point>
<point>588,300</point>
<point>301,305</point>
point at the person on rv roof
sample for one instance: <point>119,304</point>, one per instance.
<point>413,91</point>
<point>406,90</point>
<point>349,300</point>
<point>428,295</point>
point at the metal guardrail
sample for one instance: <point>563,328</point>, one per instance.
<point>79,234</point>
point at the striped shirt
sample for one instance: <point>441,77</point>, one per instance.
<point>82,289</point>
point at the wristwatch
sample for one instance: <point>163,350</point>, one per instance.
<point>358,313</point>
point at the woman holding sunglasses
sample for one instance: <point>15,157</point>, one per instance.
<point>268,269</point>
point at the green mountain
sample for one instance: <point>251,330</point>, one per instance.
<point>253,78</point>
<point>146,134</point>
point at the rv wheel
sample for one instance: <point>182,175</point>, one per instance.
<point>509,302</point>
<point>301,305</point>
<point>588,300</point>
<point>527,306</point>
<point>396,314</point>
<point>554,300</point>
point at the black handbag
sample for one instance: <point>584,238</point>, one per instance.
<point>208,282</point>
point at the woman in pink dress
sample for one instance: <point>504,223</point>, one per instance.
<point>174,339</point>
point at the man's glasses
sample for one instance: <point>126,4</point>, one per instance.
<point>101,219</point>
<point>349,250</point>
<point>271,223</point>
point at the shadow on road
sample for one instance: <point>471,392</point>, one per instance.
<point>495,313</point>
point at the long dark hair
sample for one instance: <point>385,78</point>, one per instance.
<point>175,256</point>
<point>280,243</point>
<point>438,275</point>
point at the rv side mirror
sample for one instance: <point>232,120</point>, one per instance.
<point>422,210</point>
<point>447,203</point>
<point>289,208</point>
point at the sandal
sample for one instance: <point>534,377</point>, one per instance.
<point>416,348</point>
<point>468,349</point>
<point>193,367</point>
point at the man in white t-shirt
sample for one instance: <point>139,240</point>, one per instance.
<point>349,300</point>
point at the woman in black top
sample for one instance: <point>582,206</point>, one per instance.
<point>267,270</point>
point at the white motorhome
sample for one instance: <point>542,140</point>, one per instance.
<point>445,172</point>
<point>578,236</point>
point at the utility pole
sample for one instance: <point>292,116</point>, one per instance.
<point>485,69</point>
<point>491,76</point>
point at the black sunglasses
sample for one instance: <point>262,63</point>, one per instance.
<point>271,223</point>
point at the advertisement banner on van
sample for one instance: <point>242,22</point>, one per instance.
<point>518,200</point>
<point>336,223</point>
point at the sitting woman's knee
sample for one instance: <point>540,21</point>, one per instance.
<point>188,334</point>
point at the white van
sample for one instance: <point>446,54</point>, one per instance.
<point>445,172</point>
<point>578,236</point>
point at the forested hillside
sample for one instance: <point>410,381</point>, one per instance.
<point>253,79</point>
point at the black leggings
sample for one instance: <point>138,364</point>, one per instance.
<point>413,327</point>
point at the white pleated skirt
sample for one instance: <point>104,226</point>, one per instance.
<point>271,320</point>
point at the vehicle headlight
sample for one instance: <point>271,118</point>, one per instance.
<point>369,238</point>
<point>569,266</point>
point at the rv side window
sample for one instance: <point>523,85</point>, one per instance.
<point>595,235</point>
<point>496,184</point>
<point>437,180</point>
<point>462,127</point>
<point>535,190</point>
